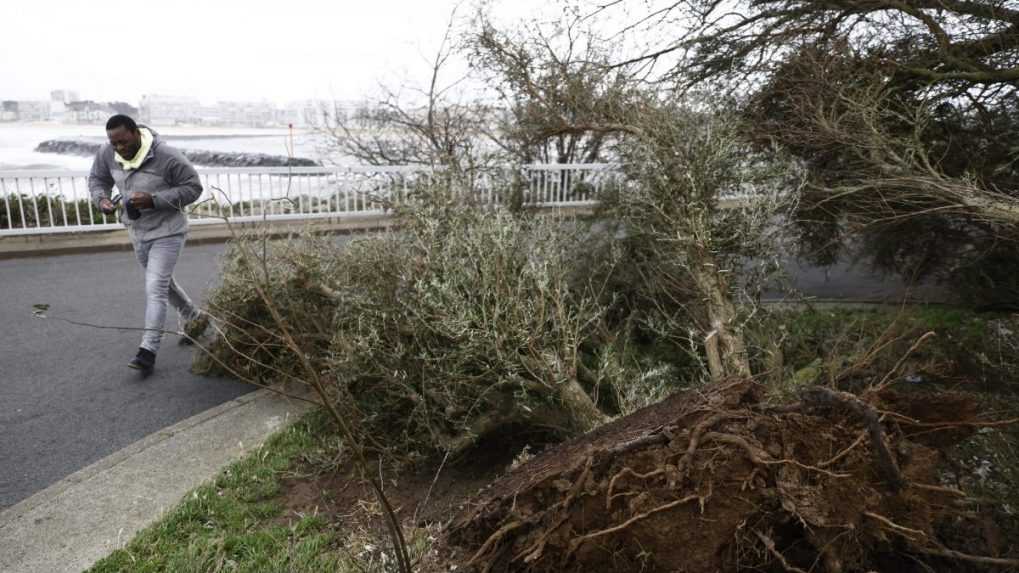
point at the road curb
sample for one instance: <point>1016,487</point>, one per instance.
<point>854,304</point>
<point>85,516</point>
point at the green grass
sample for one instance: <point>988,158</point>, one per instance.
<point>235,523</point>
<point>229,525</point>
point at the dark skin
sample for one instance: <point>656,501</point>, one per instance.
<point>126,142</point>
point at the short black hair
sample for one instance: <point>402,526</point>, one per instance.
<point>121,120</point>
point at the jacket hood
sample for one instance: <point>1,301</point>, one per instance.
<point>156,138</point>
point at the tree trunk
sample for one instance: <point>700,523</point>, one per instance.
<point>584,412</point>
<point>727,353</point>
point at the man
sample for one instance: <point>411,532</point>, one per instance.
<point>156,182</point>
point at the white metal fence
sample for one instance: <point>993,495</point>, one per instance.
<point>44,202</point>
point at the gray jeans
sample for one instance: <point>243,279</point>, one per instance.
<point>158,257</point>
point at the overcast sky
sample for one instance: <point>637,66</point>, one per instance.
<point>277,50</point>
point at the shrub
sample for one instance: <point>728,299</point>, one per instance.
<point>248,341</point>
<point>19,212</point>
<point>462,323</point>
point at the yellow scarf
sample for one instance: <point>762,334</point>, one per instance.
<point>136,161</point>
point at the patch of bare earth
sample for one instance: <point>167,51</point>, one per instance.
<point>429,494</point>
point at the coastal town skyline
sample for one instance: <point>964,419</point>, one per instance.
<point>69,106</point>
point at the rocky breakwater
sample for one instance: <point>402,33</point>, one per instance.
<point>196,156</point>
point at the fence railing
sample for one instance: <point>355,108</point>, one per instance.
<point>43,202</point>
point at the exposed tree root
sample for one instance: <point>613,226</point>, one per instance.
<point>913,534</point>
<point>711,482</point>
<point>576,542</point>
<point>960,556</point>
<point>825,398</point>
<point>770,545</point>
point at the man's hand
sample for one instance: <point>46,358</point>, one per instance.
<point>107,206</point>
<point>140,200</point>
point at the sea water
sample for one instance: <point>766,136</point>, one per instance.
<point>18,142</point>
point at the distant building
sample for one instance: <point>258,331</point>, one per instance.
<point>307,113</point>
<point>58,104</point>
<point>210,115</point>
<point>25,110</point>
<point>320,113</point>
<point>157,109</point>
<point>58,111</point>
<point>345,110</point>
<point>88,112</point>
<point>124,108</point>
<point>364,115</point>
<point>169,110</point>
<point>247,113</point>
<point>8,110</point>
<point>64,96</point>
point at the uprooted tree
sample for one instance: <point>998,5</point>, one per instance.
<point>686,165</point>
<point>466,324</point>
<point>904,113</point>
<point>719,481</point>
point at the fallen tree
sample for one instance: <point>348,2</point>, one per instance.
<point>903,114</point>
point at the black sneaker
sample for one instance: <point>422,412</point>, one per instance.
<point>194,328</point>
<point>145,361</point>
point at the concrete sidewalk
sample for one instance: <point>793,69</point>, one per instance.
<point>97,241</point>
<point>83,518</point>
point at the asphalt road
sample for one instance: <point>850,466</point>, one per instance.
<point>67,398</point>
<point>850,282</point>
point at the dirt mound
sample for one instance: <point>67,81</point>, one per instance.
<point>714,481</point>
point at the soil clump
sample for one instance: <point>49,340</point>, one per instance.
<point>716,480</point>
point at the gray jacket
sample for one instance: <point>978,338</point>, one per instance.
<point>164,173</point>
